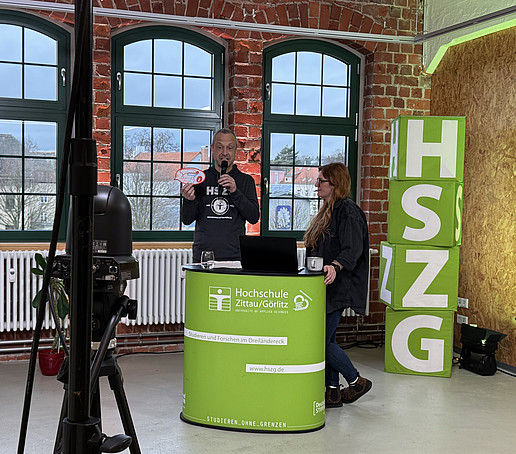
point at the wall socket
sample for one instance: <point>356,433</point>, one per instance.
<point>462,319</point>
<point>462,302</point>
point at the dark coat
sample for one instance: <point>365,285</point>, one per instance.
<point>347,242</point>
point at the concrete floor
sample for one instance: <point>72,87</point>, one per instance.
<point>401,414</point>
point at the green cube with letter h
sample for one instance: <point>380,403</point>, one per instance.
<point>427,148</point>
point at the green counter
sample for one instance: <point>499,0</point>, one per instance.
<point>254,350</point>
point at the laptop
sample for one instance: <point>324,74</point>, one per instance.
<point>269,254</point>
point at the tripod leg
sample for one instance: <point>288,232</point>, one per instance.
<point>115,382</point>
<point>96,408</point>
<point>64,413</point>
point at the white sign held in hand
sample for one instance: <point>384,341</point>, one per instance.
<point>190,175</point>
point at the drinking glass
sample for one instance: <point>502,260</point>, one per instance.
<point>207,260</point>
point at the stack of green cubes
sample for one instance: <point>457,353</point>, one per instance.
<point>419,262</point>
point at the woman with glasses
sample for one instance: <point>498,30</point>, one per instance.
<point>339,234</point>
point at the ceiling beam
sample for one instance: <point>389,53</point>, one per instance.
<point>210,22</point>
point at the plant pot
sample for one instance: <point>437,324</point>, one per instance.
<point>49,363</point>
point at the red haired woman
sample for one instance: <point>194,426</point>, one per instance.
<point>339,234</point>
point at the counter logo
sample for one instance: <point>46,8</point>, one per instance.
<point>301,301</point>
<point>220,299</point>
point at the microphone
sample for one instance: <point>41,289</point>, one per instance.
<point>223,168</point>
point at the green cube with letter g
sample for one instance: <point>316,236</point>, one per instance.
<point>419,342</point>
<point>418,277</point>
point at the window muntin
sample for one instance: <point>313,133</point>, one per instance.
<point>293,170</point>
<point>34,53</point>
<point>28,64</point>
<point>310,83</point>
<point>167,106</point>
<point>168,73</point>
<point>152,156</point>
<point>310,119</point>
<point>28,160</point>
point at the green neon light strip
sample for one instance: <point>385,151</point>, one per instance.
<point>462,39</point>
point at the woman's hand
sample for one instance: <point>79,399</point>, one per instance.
<point>330,273</point>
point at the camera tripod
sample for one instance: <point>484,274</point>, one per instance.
<point>79,431</point>
<point>104,364</point>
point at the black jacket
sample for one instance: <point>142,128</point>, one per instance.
<point>347,242</point>
<point>221,220</point>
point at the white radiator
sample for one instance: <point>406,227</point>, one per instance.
<point>159,290</point>
<point>18,286</point>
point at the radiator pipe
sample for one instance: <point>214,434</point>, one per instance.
<point>19,350</point>
<point>171,334</point>
<point>24,341</point>
<point>138,339</point>
<point>119,336</point>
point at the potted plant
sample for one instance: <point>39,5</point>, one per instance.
<point>50,360</point>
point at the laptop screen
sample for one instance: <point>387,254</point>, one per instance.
<point>268,254</point>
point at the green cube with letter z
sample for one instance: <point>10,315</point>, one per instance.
<point>418,277</point>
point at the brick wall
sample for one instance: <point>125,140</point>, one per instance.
<point>394,81</point>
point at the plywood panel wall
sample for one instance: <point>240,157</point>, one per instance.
<point>477,79</point>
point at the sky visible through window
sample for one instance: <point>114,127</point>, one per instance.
<point>304,84</point>
<point>168,73</point>
<point>28,64</point>
<point>309,83</point>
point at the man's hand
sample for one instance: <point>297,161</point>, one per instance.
<point>188,191</point>
<point>227,182</point>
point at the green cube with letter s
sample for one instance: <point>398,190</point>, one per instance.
<point>425,212</point>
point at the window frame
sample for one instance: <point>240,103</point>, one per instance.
<point>308,124</point>
<point>159,117</point>
<point>41,110</point>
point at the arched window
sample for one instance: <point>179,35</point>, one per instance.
<point>34,62</point>
<point>168,92</point>
<point>311,106</point>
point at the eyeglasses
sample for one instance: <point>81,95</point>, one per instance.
<point>320,180</point>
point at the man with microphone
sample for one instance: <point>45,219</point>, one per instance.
<point>222,203</point>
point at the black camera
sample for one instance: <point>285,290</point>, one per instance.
<point>113,263</point>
